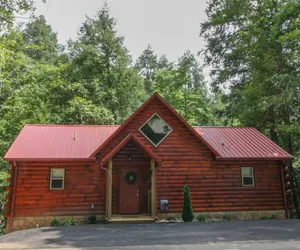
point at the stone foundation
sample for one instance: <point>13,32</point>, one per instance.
<point>237,215</point>
<point>20,223</point>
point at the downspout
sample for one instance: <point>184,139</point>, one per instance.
<point>283,191</point>
<point>15,172</point>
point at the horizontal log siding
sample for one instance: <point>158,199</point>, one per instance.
<point>219,187</point>
<point>215,186</point>
<point>138,160</point>
<point>84,185</point>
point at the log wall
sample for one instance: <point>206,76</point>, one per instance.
<point>84,185</point>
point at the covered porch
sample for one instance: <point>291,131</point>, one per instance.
<point>131,181</point>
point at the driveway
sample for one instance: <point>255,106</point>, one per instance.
<point>263,234</point>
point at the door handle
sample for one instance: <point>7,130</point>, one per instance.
<point>137,194</point>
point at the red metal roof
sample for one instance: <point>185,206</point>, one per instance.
<point>241,143</point>
<point>57,142</point>
<point>129,137</point>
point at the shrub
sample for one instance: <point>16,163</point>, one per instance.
<point>227,216</point>
<point>187,210</point>
<point>201,217</point>
<point>55,222</point>
<point>171,218</point>
<point>92,219</point>
<point>65,222</point>
<point>273,217</point>
<point>73,222</point>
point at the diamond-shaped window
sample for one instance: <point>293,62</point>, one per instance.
<point>155,129</point>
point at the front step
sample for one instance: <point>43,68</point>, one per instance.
<point>131,219</point>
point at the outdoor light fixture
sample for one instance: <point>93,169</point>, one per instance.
<point>129,157</point>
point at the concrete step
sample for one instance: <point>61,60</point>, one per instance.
<point>131,219</point>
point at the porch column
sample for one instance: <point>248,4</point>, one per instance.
<point>153,188</point>
<point>109,201</point>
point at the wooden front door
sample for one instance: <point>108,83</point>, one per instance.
<point>129,193</point>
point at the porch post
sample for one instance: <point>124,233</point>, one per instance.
<point>109,190</point>
<point>153,188</point>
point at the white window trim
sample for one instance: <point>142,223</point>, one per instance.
<point>51,178</point>
<point>148,137</point>
<point>252,176</point>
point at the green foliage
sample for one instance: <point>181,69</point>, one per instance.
<point>227,216</point>
<point>170,218</point>
<point>73,222</point>
<point>183,86</point>
<point>201,217</point>
<point>187,210</point>
<point>56,222</point>
<point>65,222</point>
<point>3,193</point>
<point>42,41</point>
<point>92,219</point>
<point>272,217</point>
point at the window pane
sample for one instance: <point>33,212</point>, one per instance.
<point>57,173</point>
<point>247,171</point>
<point>248,181</point>
<point>156,129</point>
<point>57,184</point>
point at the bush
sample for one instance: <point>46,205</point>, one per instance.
<point>3,183</point>
<point>171,218</point>
<point>65,222</point>
<point>201,217</point>
<point>227,216</point>
<point>187,210</point>
<point>55,222</point>
<point>73,222</point>
<point>92,219</point>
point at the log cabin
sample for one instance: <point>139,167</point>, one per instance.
<point>137,171</point>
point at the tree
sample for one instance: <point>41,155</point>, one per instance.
<point>42,40</point>
<point>187,209</point>
<point>147,64</point>
<point>101,63</point>
<point>184,88</point>
<point>9,8</point>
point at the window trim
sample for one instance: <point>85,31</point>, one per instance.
<point>148,137</point>
<point>252,176</point>
<point>56,178</point>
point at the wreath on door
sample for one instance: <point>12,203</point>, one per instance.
<point>130,177</point>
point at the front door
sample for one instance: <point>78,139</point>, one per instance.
<point>129,192</point>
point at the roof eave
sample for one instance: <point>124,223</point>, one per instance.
<point>48,159</point>
<point>254,158</point>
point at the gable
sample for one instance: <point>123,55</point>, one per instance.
<point>183,139</point>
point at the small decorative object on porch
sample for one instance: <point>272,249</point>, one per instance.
<point>130,177</point>
<point>164,204</point>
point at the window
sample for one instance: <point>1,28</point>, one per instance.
<point>247,176</point>
<point>155,129</point>
<point>57,178</point>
